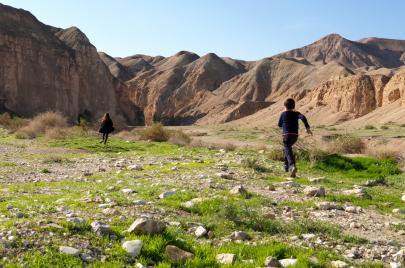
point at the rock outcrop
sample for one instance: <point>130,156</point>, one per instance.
<point>357,94</point>
<point>46,68</point>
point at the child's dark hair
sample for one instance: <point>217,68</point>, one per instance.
<point>289,103</point>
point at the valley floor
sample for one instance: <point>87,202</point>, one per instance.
<point>52,193</point>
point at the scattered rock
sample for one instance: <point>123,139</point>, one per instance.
<point>135,167</point>
<point>351,209</point>
<point>188,204</point>
<point>178,255</point>
<point>166,194</point>
<point>133,247</point>
<point>225,175</point>
<point>321,179</point>
<point>271,262</point>
<point>147,226</point>
<point>139,202</point>
<point>270,188</point>
<point>69,250</point>
<point>100,228</point>
<point>313,260</point>
<point>238,190</point>
<point>339,264</point>
<point>327,205</point>
<point>226,258</point>
<point>86,257</point>
<point>396,265</point>
<point>289,263</point>
<point>77,221</point>
<point>111,211</point>
<point>398,210</point>
<point>314,191</point>
<point>200,232</point>
<point>128,191</point>
<point>238,235</point>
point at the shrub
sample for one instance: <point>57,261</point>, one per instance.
<point>84,125</point>
<point>56,134</point>
<point>229,146</point>
<point>384,127</point>
<point>261,146</point>
<point>332,129</point>
<point>276,154</point>
<point>45,170</point>
<point>44,121</point>
<point>310,108</point>
<point>126,135</point>
<point>25,133</point>
<point>178,137</point>
<point>385,153</point>
<point>347,144</point>
<point>156,133</point>
<point>369,127</point>
<point>13,123</point>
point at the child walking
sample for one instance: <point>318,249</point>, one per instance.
<point>106,127</point>
<point>289,122</point>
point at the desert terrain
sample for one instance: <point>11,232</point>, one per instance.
<point>192,176</point>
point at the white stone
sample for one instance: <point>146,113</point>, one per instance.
<point>398,210</point>
<point>339,264</point>
<point>351,209</point>
<point>127,191</point>
<point>188,204</point>
<point>69,250</point>
<point>200,232</point>
<point>308,236</point>
<point>135,167</point>
<point>77,221</point>
<point>396,265</point>
<point>133,247</point>
<point>225,175</point>
<point>226,258</point>
<point>289,263</point>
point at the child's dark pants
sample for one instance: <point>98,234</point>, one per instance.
<point>288,141</point>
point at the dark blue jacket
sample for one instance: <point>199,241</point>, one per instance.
<point>289,122</point>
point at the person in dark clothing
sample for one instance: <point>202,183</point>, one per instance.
<point>106,127</point>
<point>289,122</point>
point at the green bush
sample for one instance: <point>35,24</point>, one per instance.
<point>84,125</point>
<point>384,127</point>
<point>368,127</point>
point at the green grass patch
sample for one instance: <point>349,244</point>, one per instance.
<point>357,167</point>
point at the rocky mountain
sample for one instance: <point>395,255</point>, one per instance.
<point>377,52</point>
<point>46,68</point>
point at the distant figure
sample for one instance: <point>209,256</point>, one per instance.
<point>289,122</point>
<point>106,127</point>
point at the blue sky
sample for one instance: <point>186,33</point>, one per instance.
<point>248,30</point>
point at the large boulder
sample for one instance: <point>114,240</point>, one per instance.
<point>147,226</point>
